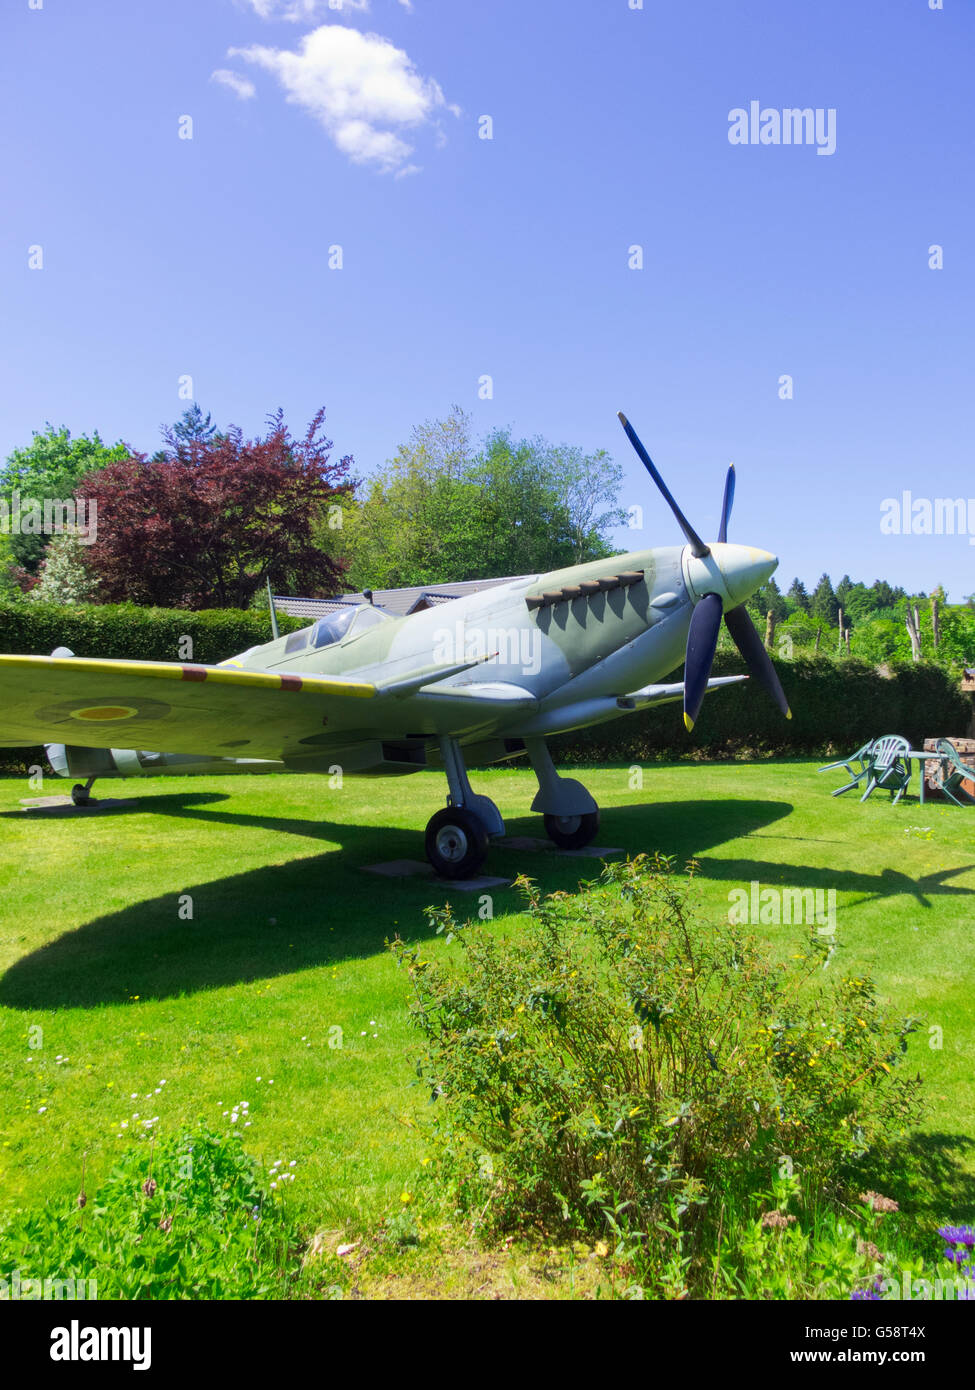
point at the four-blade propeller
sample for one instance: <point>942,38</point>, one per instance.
<point>702,636</point>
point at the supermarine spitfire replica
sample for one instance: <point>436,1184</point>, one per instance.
<point>479,679</point>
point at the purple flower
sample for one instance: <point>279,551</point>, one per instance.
<point>873,1294</point>
<point>958,1235</point>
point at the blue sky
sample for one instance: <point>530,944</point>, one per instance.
<point>358,126</point>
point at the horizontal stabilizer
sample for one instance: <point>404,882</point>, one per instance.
<point>664,694</point>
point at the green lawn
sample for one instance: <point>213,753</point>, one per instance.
<point>286,944</point>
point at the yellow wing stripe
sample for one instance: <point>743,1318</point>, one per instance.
<point>173,671</point>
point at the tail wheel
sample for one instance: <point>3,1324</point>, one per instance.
<point>80,795</point>
<point>572,832</point>
<point>456,842</point>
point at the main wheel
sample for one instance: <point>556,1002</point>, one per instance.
<point>572,832</point>
<point>456,843</point>
<point>79,794</point>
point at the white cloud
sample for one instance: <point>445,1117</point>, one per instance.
<point>242,87</point>
<point>307,10</point>
<point>360,87</point>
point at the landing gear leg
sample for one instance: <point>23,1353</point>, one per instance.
<point>81,794</point>
<point>457,837</point>
<point>571,815</point>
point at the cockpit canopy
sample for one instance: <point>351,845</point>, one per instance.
<point>350,620</point>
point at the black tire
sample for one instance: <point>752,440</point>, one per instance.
<point>79,795</point>
<point>572,832</point>
<point>456,842</point>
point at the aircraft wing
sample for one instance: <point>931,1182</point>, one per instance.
<point>167,706</point>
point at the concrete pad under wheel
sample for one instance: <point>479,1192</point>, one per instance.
<point>527,843</point>
<point>590,852</point>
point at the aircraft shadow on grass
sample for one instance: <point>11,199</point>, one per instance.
<point>322,910</point>
<point>112,806</point>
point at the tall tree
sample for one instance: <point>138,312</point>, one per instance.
<point>204,526</point>
<point>768,599</point>
<point>588,485</point>
<point>402,531</point>
<point>50,467</point>
<point>191,428</point>
<point>823,604</point>
<point>446,509</point>
<point>883,596</point>
<point>798,595</point>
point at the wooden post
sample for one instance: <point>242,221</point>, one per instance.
<point>769,630</point>
<point>912,622</point>
<point>839,634</point>
<point>935,619</point>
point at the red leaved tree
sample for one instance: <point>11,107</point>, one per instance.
<point>204,523</point>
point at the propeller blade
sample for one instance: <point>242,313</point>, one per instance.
<point>748,642</point>
<point>702,639</point>
<point>698,548</point>
<point>726,505</point>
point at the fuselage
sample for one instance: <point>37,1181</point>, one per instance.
<point>548,652</point>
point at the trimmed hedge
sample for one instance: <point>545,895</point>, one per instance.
<point>122,631</point>
<point>835,705</point>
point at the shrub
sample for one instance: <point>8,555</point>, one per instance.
<point>621,1062</point>
<point>192,1217</point>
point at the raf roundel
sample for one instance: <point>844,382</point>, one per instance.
<point>104,713</point>
<point>110,709</point>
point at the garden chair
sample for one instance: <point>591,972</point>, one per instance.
<point>889,767</point>
<point>955,772</point>
<point>857,766</point>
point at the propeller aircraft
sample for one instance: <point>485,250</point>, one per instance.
<point>480,679</point>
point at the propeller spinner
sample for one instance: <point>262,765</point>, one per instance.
<point>721,577</point>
